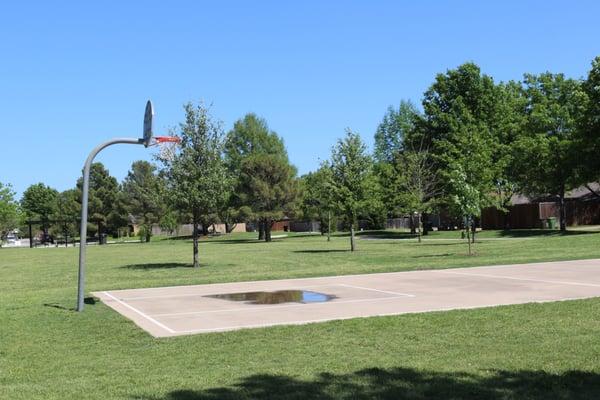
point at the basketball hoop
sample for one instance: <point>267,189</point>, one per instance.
<point>167,146</point>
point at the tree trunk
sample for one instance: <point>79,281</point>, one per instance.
<point>473,230</point>
<point>261,230</point>
<point>148,234</point>
<point>413,229</point>
<point>195,237</point>
<point>328,226</point>
<point>204,229</point>
<point>352,244</point>
<point>469,235</point>
<point>562,209</point>
<point>229,227</point>
<point>419,227</point>
<point>268,226</point>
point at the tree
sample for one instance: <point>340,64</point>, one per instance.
<point>144,195</point>
<point>197,178</point>
<point>589,128</point>
<point>9,211</point>
<point>317,199</point>
<point>416,186</point>
<point>103,203</point>
<point>68,211</point>
<point>466,200</point>
<point>546,157</point>
<point>467,121</point>
<point>350,169</point>
<point>250,136</point>
<point>39,203</point>
<point>268,187</point>
<point>396,124</point>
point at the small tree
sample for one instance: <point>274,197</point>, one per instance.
<point>318,199</point>
<point>169,222</point>
<point>197,178</point>
<point>144,195</point>
<point>268,186</point>
<point>466,200</point>
<point>417,185</point>
<point>68,211</point>
<point>9,211</point>
<point>350,168</point>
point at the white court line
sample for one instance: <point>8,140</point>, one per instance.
<point>518,279</point>
<point>376,290</point>
<point>140,313</point>
<point>270,307</point>
<point>165,296</point>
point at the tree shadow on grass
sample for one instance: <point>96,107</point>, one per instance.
<point>521,233</point>
<point>157,266</point>
<point>443,243</point>
<point>405,383</point>
<point>321,251</point>
<point>383,234</point>
<point>433,255</point>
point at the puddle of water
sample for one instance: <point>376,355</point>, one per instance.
<point>277,297</point>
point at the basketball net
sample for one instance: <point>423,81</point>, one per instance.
<point>167,146</point>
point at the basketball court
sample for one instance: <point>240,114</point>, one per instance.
<point>184,310</point>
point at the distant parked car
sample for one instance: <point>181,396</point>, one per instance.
<point>12,239</point>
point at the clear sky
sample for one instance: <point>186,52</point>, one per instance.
<point>73,74</point>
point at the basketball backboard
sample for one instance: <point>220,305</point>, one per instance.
<point>148,124</point>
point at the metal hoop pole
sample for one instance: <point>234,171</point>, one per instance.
<point>84,212</point>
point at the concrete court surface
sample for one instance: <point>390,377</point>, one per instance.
<point>183,310</point>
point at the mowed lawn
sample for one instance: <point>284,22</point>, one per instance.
<point>533,351</point>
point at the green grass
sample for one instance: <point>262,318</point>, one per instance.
<point>533,351</point>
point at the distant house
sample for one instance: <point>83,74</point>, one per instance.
<point>582,207</point>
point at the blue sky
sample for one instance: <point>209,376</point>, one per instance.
<point>73,74</point>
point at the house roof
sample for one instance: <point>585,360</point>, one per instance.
<point>579,193</point>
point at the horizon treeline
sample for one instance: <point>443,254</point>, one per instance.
<point>472,144</point>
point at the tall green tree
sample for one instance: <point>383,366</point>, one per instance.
<point>350,167</point>
<point>589,129</point>
<point>9,211</point>
<point>396,124</point>
<point>250,136</point>
<point>39,202</point>
<point>546,157</point>
<point>268,187</point>
<point>464,127</point>
<point>197,178</point>
<point>103,199</point>
<point>144,195</point>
